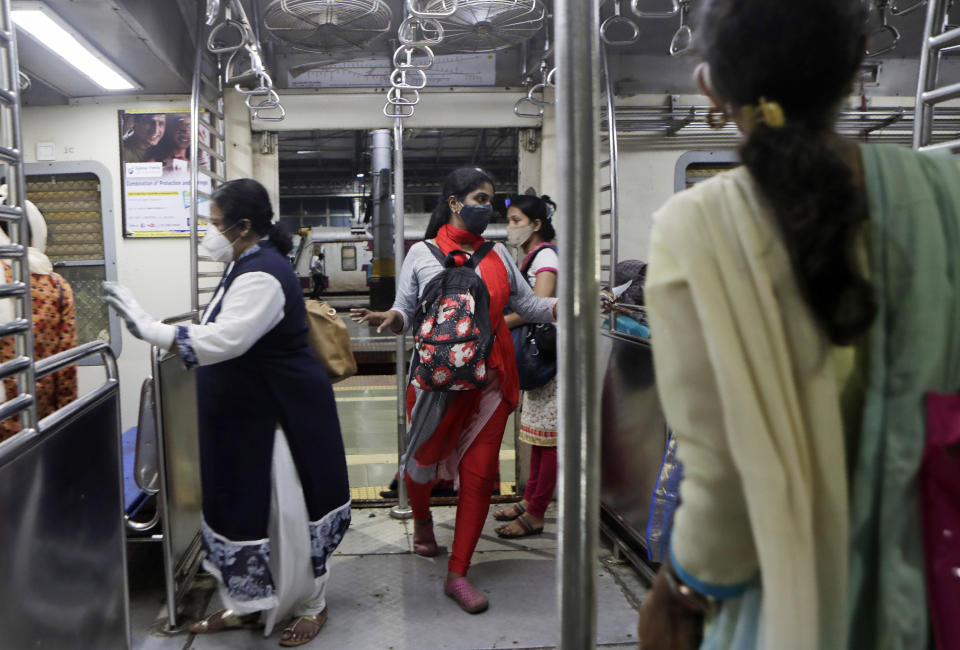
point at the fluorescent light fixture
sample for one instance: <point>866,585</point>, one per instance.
<point>46,27</point>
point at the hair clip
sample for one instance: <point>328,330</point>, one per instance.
<point>765,112</point>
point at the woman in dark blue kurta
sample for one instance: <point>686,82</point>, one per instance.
<point>257,375</point>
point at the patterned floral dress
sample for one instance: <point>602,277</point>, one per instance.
<point>54,330</point>
<point>538,420</point>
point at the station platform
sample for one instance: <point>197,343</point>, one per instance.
<point>383,597</point>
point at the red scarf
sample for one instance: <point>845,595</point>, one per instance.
<point>465,405</point>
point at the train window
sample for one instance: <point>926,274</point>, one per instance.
<point>325,175</point>
<point>74,198</point>
<point>696,166</point>
<point>348,258</point>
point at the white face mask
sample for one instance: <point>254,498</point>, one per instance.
<point>217,245</point>
<point>518,235</point>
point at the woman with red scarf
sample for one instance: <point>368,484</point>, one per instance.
<point>457,435</point>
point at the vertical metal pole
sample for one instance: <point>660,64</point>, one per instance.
<point>929,72</point>
<point>194,160</point>
<point>402,509</point>
<point>577,109</point>
<point>614,175</point>
<point>17,197</point>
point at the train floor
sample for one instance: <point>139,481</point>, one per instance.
<point>381,596</point>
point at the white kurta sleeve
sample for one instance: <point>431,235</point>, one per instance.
<point>251,307</point>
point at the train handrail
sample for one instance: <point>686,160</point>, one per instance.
<point>70,357</point>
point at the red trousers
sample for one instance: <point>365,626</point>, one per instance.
<point>542,481</point>
<point>478,470</point>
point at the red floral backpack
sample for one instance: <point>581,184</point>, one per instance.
<point>453,336</point>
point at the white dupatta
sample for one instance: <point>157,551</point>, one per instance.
<point>732,335</point>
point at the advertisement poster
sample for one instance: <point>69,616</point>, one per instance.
<point>155,161</point>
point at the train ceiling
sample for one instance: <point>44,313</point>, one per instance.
<point>152,42</point>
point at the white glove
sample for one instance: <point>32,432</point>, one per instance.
<point>140,323</point>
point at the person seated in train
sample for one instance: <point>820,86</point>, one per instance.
<point>456,435</point>
<point>629,306</point>
<point>805,306</point>
<point>146,132</point>
<point>54,323</point>
<point>530,228</point>
<point>268,425</point>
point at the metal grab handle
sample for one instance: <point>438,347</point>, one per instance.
<point>400,111</point>
<point>895,11</point>
<point>396,98</point>
<point>682,42</point>
<point>886,29</point>
<point>518,111</point>
<point>411,52</point>
<point>551,78</point>
<point>398,79</point>
<point>270,100</point>
<point>613,21</point>
<point>224,49</point>
<point>407,31</point>
<point>538,102</point>
<point>635,7</point>
<point>142,526</point>
<point>266,85</point>
<point>253,71</point>
<point>258,114</point>
<point>213,11</point>
<point>443,13</point>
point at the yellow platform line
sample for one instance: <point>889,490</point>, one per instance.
<point>368,492</point>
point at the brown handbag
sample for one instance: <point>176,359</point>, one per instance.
<point>330,340</point>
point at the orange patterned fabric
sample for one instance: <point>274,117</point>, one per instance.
<point>54,330</point>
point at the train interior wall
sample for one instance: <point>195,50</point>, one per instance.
<point>157,270</point>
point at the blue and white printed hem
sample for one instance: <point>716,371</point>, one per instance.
<point>325,536</point>
<point>241,569</point>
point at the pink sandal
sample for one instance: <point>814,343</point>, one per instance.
<point>470,599</point>
<point>424,543</point>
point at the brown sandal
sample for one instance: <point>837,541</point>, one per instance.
<point>291,638</point>
<point>224,620</point>
<point>528,530</point>
<point>509,514</point>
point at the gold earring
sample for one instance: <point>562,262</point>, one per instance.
<point>716,119</point>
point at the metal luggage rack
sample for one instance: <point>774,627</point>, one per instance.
<point>685,126</point>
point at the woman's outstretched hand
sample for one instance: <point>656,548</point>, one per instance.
<point>382,319</point>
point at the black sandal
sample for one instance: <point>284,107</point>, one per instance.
<point>528,530</point>
<point>509,514</point>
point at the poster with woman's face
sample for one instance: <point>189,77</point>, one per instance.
<point>155,163</point>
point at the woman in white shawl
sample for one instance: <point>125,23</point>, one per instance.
<point>801,308</point>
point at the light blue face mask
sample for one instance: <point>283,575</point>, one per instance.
<point>476,218</point>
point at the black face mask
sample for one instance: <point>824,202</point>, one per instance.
<point>476,218</point>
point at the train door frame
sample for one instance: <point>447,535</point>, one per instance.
<point>107,222</point>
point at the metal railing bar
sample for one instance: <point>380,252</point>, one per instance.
<point>179,318</point>
<point>942,94</point>
<point>16,406</point>
<point>15,327</point>
<point>209,174</point>
<point>213,110</point>
<point>949,145</point>
<point>10,213</point>
<point>215,154</point>
<point>12,251</point>
<point>10,155</point>
<point>10,368</point>
<point>945,39</point>
<point>70,357</point>
<point>77,406</point>
<point>12,289</point>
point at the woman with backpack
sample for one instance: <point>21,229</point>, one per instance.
<point>455,431</point>
<point>531,230</point>
<point>804,309</point>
